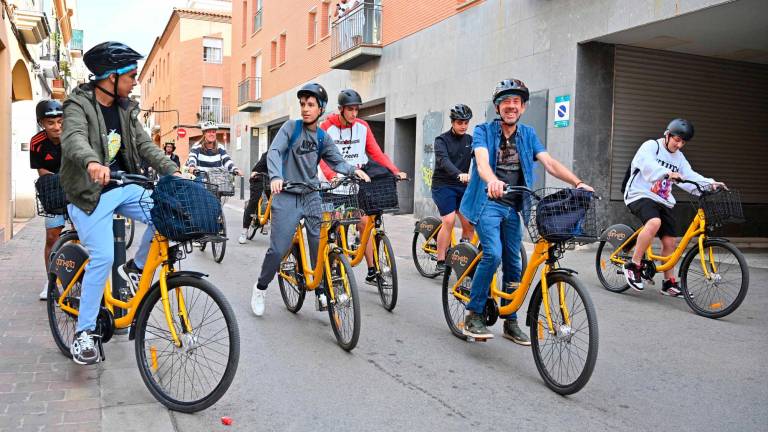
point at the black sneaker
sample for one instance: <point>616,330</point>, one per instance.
<point>671,288</point>
<point>513,332</point>
<point>132,275</point>
<point>440,267</point>
<point>372,277</point>
<point>633,275</point>
<point>84,350</point>
<point>474,327</point>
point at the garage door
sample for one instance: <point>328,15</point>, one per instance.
<point>727,102</point>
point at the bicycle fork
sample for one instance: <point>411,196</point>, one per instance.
<point>562,330</point>
<point>710,255</point>
<point>182,308</point>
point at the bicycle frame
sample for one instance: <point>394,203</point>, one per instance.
<point>540,256</point>
<point>697,228</point>
<point>313,276</point>
<point>370,231</point>
<point>157,257</point>
<point>263,218</point>
<point>475,240</point>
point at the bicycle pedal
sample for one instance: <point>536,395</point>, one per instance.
<point>476,339</point>
<point>651,282</point>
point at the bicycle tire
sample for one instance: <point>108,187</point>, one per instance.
<point>62,325</point>
<point>219,248</point>
<point>454,309</point>
<point>425,268</point>
<point>293,295</point>
<point>604,264</point>
<point>130,232</point>
<point>151,378</point>
<point>346,337</point>
<point>698,300</point>
<point>561,342</point>
<point>387,280</point>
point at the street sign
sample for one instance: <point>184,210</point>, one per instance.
<point>181,133</point>
<point>562,111</point>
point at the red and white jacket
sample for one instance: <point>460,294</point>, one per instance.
<point>356,143</point>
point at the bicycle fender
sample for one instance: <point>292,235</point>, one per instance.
<point>427,226</point>
<point>530,315</point>
<point>67,262</point>
<point>616,234</point>
<point>156,285</point>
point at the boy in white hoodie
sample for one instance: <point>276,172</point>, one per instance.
<point>648,194</point>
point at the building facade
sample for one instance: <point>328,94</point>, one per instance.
<point>616,71</point>
<point>186,74</point>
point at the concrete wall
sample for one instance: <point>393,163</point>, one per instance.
<point>6,223</point>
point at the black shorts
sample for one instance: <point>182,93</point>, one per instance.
<point>647,209</point>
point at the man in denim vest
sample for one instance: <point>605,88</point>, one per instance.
<point>506,153</point>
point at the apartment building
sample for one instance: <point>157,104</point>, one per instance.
<point>604,77</point>
<point>185,79</point>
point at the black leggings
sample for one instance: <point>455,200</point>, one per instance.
<point>250,205</point>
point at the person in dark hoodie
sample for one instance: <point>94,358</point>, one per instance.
<point>101,134</point>
<point>293,156</point>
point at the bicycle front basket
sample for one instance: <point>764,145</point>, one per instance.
<point>563,214</point>
<point>722,207</point>
<point>379,195</point>
<point>51,200</point>
<point>184,209</point>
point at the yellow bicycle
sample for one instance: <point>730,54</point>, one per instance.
<point>263,215</point>
<point>332,274</point>
<point>187,341</point>
<point>561,316</point>
<point>714,275</point>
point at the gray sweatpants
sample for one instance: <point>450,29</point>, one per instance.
<point>287,210</point>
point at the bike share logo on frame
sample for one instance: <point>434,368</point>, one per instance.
<point>618,235</point>
<point>67,264</point>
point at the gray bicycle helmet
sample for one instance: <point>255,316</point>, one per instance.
<point>461,112</point>
<point>316,90</point>
<point>680,128</point>
<point>349,97</point>
<point>509,87</point>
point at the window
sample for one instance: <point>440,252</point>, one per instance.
<point>210,108</point>
<point>273,55</point>
<point>282,48</point>
<point>324,15</point>
<point>256,16</point>
<point>312,27</point>
<point>244,34</point>
<point>212,48</point>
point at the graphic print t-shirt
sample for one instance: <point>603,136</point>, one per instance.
<point>508,167</point>
<point>115,158</point>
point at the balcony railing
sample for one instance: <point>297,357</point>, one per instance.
<point>249,94</point>
<point>215,113</point>
<point>359,27</point>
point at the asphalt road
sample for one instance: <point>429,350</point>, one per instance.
<point>660,367</point>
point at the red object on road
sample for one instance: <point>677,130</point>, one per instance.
<point>226,421</point>
<point>181,132</point>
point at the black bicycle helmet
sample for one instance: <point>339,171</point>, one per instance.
<point>349,97</point>
<point>48,108</point>
<point>510,87</point>
<point>681,128</point>
<point>316,90</point>
<point>109,58</point>
<point>461,112</point>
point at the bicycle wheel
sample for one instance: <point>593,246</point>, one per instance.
<point>610,274</point>
<point>344,309</point>
<point>725,289</point>
<point>63,324</point>
<point>64,238</point>
<point>194,376</point>
<point>565,359</point>
<point>291,283</point>
<point>130,231</point>
<point>387,280</point>
<point>218,248</point>
<point>455,309</point>
<point>425,262</point>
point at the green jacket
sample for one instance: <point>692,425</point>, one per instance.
<point>84,140</point>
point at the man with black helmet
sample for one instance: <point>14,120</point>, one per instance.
<point>648,194</point>
<point>453,155</point>
<point>102,134</point>
<point>506,153</point>
<point>355,141</point>
<point>293,156</point>
<point>45,157</point>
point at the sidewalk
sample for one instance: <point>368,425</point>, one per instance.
<point>40,389</point>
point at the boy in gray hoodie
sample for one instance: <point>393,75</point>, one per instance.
<point>293,157</point>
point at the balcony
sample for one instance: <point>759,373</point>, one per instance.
<point>76,43</point>
<point>215,113</point>
<point>249,94</point>
<point>356,37</point>
<point>32,25</point>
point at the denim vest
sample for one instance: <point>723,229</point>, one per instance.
<point>487,136</point>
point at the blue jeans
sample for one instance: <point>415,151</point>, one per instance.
<point>95,232</point>
<point>500,233</point>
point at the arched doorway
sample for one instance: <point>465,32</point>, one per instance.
<point>22,87</point>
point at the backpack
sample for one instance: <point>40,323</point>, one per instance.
<point>295,136</point>
<point>184,210</point>
<point>632,174</point>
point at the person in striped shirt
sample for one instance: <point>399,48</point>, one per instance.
<point>209,154</point>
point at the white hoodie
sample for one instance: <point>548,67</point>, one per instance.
<point>649,169</point>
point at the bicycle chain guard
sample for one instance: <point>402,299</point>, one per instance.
<point>491,312</point>
<point>649,269</point>
<point>105,324</point>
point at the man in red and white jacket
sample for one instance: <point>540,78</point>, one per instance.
<point>355,141</point>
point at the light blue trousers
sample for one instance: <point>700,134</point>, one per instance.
<point>95,232</point>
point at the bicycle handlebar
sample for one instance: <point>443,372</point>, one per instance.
<point>121,178</point>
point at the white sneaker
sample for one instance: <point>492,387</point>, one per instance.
<point>44,292</point>
<point>241,239</point>
<point>258,301</point>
